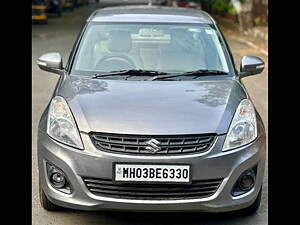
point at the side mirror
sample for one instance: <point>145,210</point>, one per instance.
<point>251,65</point>
<point>51,62</point>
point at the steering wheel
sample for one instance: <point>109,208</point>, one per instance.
<point>119,61</point>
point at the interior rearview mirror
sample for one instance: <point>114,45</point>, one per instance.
<point>251,65</point>
<point>51,62</point>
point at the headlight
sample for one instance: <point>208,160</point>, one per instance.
<point>243,128</point>
<point>61,125</point>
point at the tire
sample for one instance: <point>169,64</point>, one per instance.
<point>250,210</point>
<point>46,204</point>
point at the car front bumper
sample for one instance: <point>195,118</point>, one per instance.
<point>94,163</point>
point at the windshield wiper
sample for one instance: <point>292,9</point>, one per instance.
<point>202,72</point>
<point>132,72</point>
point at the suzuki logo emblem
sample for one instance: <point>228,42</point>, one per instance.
<point>153,146</point>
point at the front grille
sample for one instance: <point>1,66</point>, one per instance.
<point>136,144</point>
<point>108,188</point>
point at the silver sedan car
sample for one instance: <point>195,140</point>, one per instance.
<point>150,114</point>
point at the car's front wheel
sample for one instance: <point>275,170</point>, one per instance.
<point>46,204</point>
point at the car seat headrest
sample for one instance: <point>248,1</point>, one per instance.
<point>181,39</point>
<point>119,41</point>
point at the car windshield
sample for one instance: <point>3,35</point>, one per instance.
<point>169,48</point>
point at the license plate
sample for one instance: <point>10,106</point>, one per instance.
<point>152,173</point>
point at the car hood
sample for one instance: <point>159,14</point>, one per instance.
<point>152,107</point>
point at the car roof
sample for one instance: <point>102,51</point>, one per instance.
<point>145,13</point>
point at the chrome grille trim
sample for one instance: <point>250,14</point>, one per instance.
<point>136,144</point>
